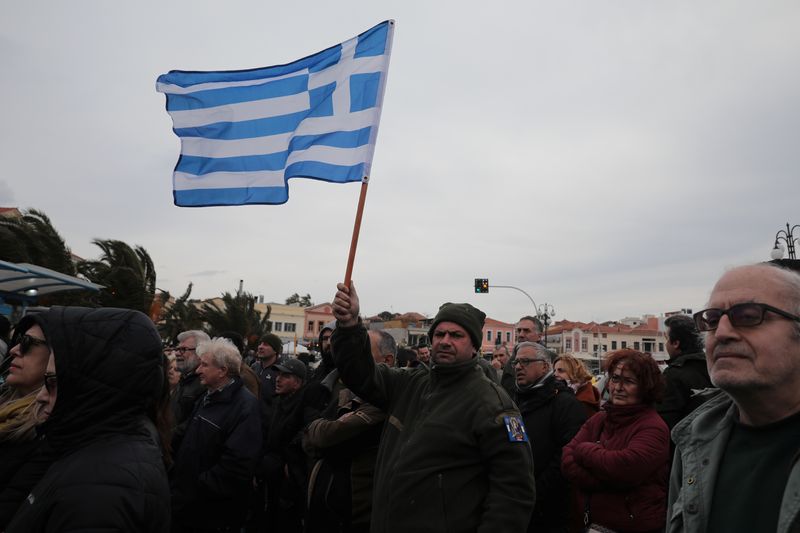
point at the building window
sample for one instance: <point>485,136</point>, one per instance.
<point>311,326</point>
<point>660,346</point>
<point>605,335</point>
<point>605,347</point>
<point>499,337</point>
<point>584,345</point>
<point>594,348</point>
<point>624,344</point>
<point>489,335</point>
<point>289,326</point>
<point>635,345</point>
<point>567,345</point>
<point>508,336</point>
<point>278,326</point>
<point>613,345</point>
<point>320,325</point>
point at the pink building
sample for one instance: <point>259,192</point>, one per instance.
<point>316,317</point>
<point>494,330</point>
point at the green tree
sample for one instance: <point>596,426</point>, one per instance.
<point>237,313</point>
<point>303,301</point>
<point>128,275</point>
<point>32,238</point>
<point>182,315</point>
<point>386,315</point>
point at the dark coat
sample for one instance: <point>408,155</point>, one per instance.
<point>446,461</point>
<point>345,444</point>
<point>108,475</point>
<point>552,416</point>
<point>619,459</point>
<point>182,404</point>
<point>213,474</point>
<point>684,375</point>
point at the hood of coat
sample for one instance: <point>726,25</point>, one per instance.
<point>110,370</point>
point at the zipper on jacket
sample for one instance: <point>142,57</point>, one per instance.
<point>441,498</point>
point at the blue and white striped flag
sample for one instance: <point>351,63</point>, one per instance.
<point>244,133</point>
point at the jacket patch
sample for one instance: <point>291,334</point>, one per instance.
<point>516,429</point>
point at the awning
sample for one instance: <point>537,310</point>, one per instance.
<point>26,282</point>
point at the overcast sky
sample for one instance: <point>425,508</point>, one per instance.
<point>610,158</point>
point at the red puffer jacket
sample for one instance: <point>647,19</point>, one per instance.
<point>619,459</point>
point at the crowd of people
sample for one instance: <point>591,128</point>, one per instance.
<point>102,428</point>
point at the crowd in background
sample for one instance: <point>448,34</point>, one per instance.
<point>102,427</point>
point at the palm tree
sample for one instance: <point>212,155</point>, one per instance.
<point>128,275</point>
<point>182,315</point>
<point>32,238</point>
<point>237,313</point>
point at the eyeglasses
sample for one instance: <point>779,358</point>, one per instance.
<point>526,362</point>
<point>183,349</point>
<point>616,379</point>
<point>26,342</point>
<point>740,315</point>
<point>50,382</point>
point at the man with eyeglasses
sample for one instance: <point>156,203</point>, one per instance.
<point>529,329</point>
<point>738,452</point>
<point>189,387</point>
<point>552,416</point>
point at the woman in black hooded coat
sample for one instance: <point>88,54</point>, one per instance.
<point>109,474</point>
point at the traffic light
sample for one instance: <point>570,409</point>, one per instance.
<point>481,285</point>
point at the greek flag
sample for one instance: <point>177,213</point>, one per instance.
<point>244,133</point>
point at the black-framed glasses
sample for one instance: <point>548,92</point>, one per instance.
<point>525,362</point>
<point>27,342</point>
<point>50,382</point>
<point>742,315</point>
<point>183,349</point>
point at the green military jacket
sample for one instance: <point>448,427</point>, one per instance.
<point>446,462</point>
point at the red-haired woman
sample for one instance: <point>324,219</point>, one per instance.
<point>570,370</point>
<point>619,459</point>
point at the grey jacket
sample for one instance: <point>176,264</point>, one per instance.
<point>700,441</point>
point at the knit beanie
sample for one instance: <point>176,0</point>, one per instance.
<point>274,341</point>
<point>466,316</point>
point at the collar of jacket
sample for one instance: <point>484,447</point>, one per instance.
<point>447,374</point>
<point>704,423</point>
<point>622,415</point>
<point>188,378</point>
<point>683,358</point>
<point>533,397</point>
<point>224,394</point>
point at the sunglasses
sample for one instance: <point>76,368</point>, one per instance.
<point>26,343</point>
<point>743,315</point>
<point>50,382</point>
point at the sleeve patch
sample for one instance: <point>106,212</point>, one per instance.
<point>516,429</point>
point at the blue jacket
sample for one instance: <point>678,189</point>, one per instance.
<point>214,470</point>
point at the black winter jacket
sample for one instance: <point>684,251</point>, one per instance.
<point>552,417</point>
<point>108,474</point>
<point>684,375</point>
<point>214,470</point>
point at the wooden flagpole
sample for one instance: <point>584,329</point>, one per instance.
<point>356,229</point>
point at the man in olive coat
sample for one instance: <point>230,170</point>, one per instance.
<point>454,455</point>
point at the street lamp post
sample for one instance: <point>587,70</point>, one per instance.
<point>787,236</point>
<point>545,313</point>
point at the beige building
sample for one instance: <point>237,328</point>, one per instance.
<point>286,321</point>
<point>591,341</point>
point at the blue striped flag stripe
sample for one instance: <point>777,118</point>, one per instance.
<point>245,133</point>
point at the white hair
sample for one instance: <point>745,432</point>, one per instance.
<point>196,334</point>
<point>223,354</point>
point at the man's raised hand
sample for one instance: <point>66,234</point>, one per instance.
<point>345,305</point>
